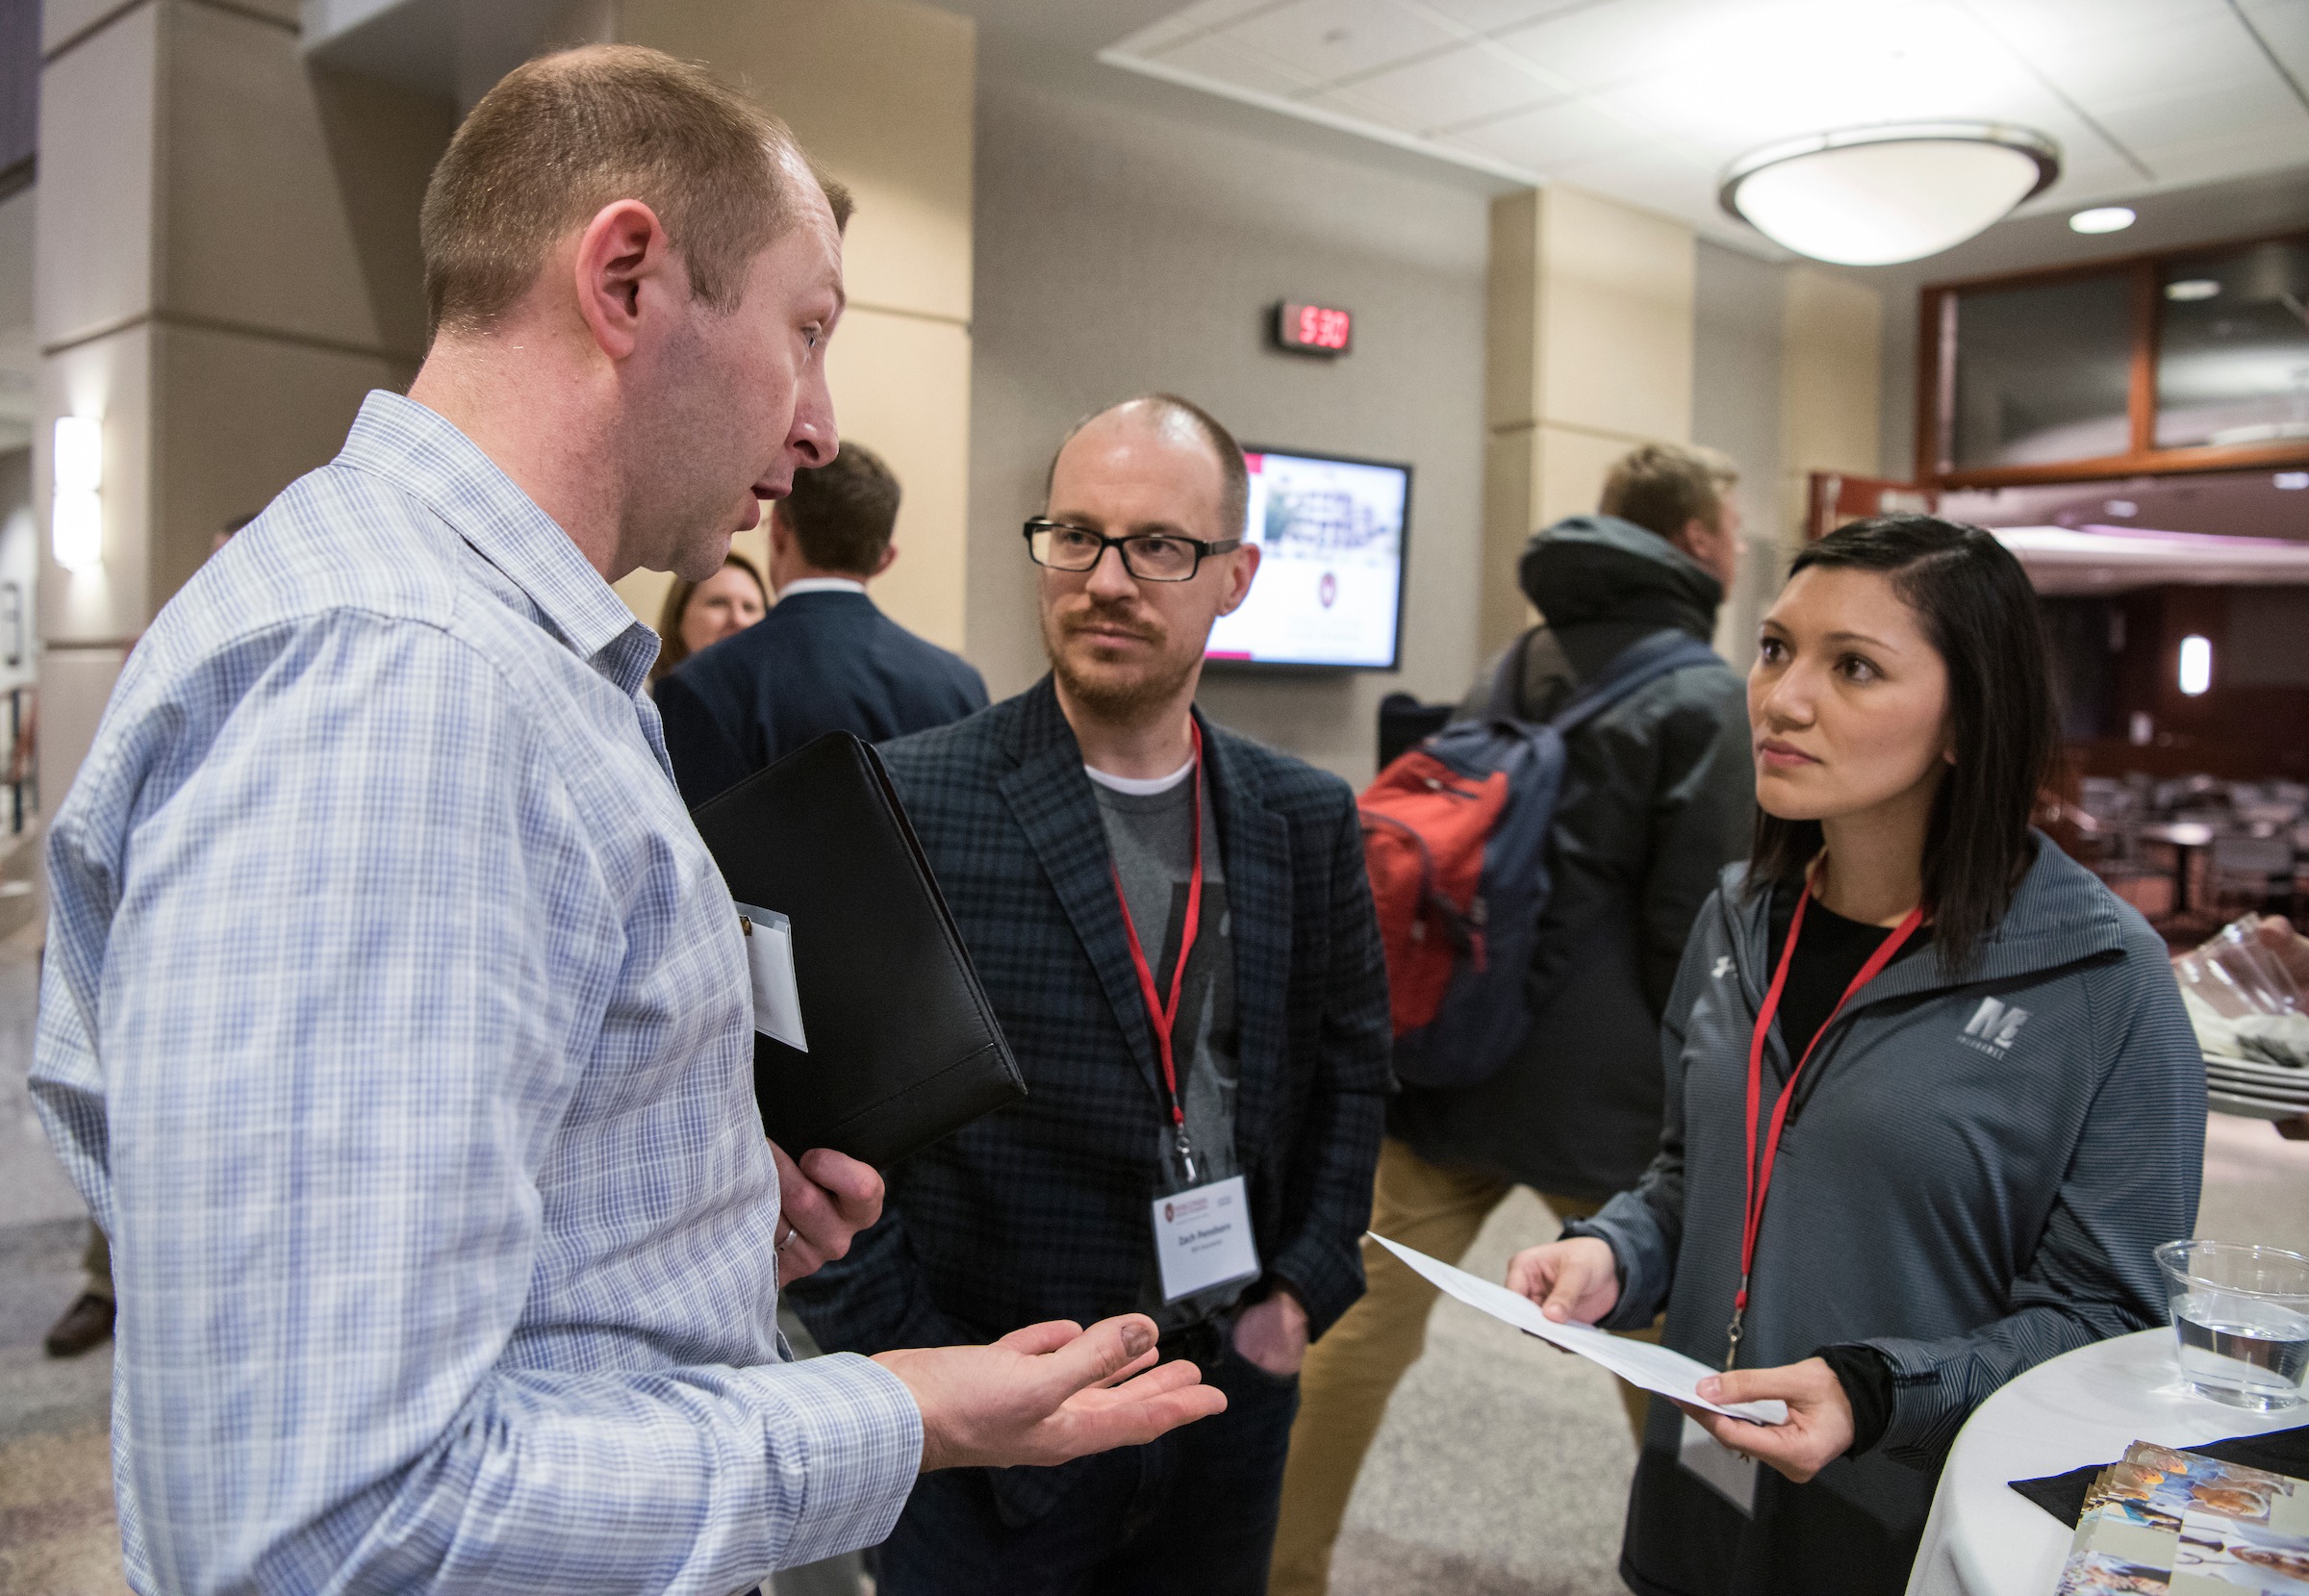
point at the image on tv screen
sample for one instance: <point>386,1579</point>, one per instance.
<point>1330,584</point>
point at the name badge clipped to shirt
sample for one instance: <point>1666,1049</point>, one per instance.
<point>1203,1237</point>
<point>770,961</point>
<point>1722,1470</point>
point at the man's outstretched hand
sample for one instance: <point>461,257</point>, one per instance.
<point>1048,1393</point>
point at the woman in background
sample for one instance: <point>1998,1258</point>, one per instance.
<point>1931,1098</point>
<point>700,614</point>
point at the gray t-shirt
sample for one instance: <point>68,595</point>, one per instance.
<point>1151,836</point>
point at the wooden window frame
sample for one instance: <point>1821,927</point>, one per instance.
<point>1935,382</point>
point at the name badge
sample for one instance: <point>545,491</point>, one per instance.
<point>1202,1238</point>
<point>770,961</point>
<point>1723,1470</point>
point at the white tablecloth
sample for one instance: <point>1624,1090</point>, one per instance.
<point>1983,1539</point>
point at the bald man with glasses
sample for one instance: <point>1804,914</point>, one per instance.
<point>1175,928</point>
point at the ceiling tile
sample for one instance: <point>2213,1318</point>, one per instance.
<point>1554,136</point>
<point>2285,25</point>
<point>1486,17</point>
<point>1215,56</point>
<point>2261,108</point>
<point>1329,39</point>
<point>1593,45</point>
<point>2049,31</point>
<point>2102,67</point>
<point>1202,17</point>
<point>2216,160</point>
<point>1355,104</point>
<point>1449,89</point>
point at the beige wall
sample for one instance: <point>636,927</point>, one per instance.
<point>1588,352</point>
<point>1832,339</point>
<point>881,92</point>
<point>226,262</point>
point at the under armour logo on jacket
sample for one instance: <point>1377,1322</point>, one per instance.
<point>1723,967</point>
<point>1993,1025</point>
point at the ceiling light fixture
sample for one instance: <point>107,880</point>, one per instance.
<point>2103,218</point>
<point>1877,195</point>
<point>2190,288</point>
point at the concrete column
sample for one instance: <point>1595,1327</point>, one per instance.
<point>1589,353</point>
<point>883,93</point>
<point>226,262</point>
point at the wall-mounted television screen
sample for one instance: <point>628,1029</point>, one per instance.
<point>1330,532</point>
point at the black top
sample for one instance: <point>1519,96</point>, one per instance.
<point>1830,954</point>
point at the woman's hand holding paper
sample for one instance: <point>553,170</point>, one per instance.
<point>1574,1281</point>
<point>1819,1424</point>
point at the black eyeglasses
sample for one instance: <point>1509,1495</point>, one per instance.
<point>1148,556</point>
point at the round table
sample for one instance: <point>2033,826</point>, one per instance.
<point>1983,1539</point>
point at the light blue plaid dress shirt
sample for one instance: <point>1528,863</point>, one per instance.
<point>396,1028</point>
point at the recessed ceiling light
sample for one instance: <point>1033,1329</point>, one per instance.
<point>1876,195</point>
<point>2191,288</point>
<point>2103,218</point>
<point>2291,481</point>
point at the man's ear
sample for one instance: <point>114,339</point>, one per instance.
<point>1239,578</point>
<point>888,559</point>
<point>781,534</point>
<point>623,262</point>
<point>1699,540</point>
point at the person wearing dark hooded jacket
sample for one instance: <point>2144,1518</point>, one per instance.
<point>1932,1096</point>
<point>1658,799</point>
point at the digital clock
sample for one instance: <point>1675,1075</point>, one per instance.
<point>1314,329</point>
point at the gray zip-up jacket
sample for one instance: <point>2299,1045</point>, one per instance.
<point>1971,1179</point>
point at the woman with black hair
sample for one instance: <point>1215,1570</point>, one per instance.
<point>1932,1094</point>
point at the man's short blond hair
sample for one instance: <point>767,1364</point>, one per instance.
<point>1663,487</point>
<point>567,134</point>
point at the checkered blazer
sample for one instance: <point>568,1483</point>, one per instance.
<point>1039,1211</point>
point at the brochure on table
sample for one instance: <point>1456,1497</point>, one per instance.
<point>2169,1523</point>
<point>1638,1363</point>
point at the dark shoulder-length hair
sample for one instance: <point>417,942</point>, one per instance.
<point>1978,610</point>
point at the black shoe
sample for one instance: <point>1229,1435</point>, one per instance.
<point>85,1323</point>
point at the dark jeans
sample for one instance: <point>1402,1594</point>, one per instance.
<point>1191,1513</point>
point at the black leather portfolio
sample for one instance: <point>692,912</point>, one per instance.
<point>902,1045</point>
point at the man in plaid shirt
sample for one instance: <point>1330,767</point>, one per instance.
<point>397,1026</point>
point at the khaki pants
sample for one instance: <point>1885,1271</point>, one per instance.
<point>1349,1375</point>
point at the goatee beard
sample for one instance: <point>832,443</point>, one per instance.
<point>1121,697</point>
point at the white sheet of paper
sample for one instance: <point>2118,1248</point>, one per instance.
<point>1203,1237</point>
<point>1638,1363</point>
<point>770,959</point>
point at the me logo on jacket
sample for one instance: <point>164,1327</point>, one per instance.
<point>1993,1027</point>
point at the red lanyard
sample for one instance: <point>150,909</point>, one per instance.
<point>1161,1015</point>
<point>1759,1179</point>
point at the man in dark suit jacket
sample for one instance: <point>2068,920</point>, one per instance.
<point>824,659</point>
<point>1064,825</point>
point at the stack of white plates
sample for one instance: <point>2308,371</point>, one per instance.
<point>2256,1089</point>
